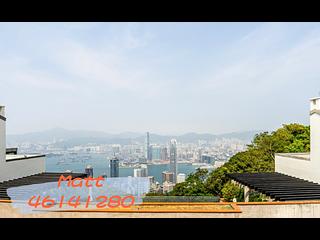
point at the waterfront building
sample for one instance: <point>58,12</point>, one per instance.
<point>89,171</point>
<point>206,158</point>
<point>173,159</point>
<point>164,153</point>
<point>167,176</point>
<point>137,172</point>
<point>142,171</point>
<point>181,177</point>
<point>151,179</point>
<point>145,169</point>
<point>156,152</point>
<point>114,167</point>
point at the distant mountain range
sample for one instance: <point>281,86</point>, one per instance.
<point>75,137</point>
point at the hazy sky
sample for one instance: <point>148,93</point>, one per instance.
<point>158,77</point>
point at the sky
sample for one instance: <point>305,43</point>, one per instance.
<point>166,78</point>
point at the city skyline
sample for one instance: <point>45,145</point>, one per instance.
<point>165,77</point>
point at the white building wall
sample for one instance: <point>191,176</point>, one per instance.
<point>295,167</point>
<point>22,168</point>
<point>181,178</point>
<point>315,135</point>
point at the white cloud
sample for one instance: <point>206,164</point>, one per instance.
<point>258,64</point>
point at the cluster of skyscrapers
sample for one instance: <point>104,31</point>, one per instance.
<point>169,178</point>
<point>154,151</point>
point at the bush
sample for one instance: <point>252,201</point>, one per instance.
<point>257,197</point>
<point>231,191</point>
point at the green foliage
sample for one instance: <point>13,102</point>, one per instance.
<point>231,191</point>
<point>259,157</point>
<point>257,197</point>
<point>193,186</point>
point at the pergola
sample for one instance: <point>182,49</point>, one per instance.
<point>277,186</point>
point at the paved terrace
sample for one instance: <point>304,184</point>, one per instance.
<point>301,209</point>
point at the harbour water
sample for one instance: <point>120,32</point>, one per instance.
<point>100,164</point>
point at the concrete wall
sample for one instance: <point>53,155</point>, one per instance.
<point>282,210</point>
<point>22,168</point>
<point>248,211</point>
<point>296,167</point>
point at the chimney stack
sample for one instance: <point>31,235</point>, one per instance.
<point>2,135</point>
<point>315,131</point>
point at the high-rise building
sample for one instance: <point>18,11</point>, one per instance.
<point>156,152</point>
<point>114,167</point>
<point>181,177</point>
<point>151,179</point>
<point>89,171</point>
<point>116,148</point>
<point>206,158</point>
<point>137,172</point>
<point>154,186</point>
<point>164,153</point>
<point>148,153</point>
<point>145,169</point>
<point>199,154</point>
<point>173,159</point>
<point>167,176</point>
<point>141,172</point>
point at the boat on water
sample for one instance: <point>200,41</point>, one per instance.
<point>60,162</point>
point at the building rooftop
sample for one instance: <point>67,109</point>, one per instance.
<point>314,98</point>
<point>16,157</point>
<point>302,156</point>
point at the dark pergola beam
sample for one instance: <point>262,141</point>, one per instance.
<point>278,186</point>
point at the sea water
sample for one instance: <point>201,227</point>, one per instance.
<point>100,164</point>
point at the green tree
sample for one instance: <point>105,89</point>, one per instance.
<point>193,186</point>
